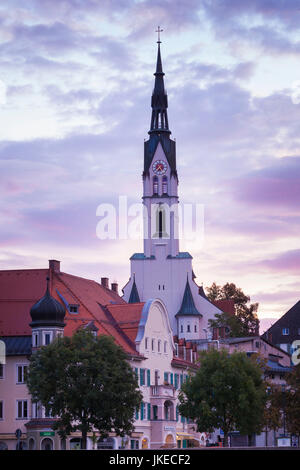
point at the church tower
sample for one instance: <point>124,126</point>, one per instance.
<point>162,271</point>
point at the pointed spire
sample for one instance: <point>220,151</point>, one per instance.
<point>159,101</point>
<point>134,295</point>
<point>188,305</point>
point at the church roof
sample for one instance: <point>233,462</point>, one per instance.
<point>47,311</point>
<point>134,295</point>
<point>188,305</point>
<point>159,128</point>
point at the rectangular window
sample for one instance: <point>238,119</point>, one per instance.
<point>21,373</point>
<point>73,308</point>
<point>1,409</point>
<point>177,413</point>
<point>47,337</point>
<point>34,410</point>
<point>35,340</point>
<point>176,349</point>
<point>1,371</point>
<point>285,331</point>
<point>22,409</point>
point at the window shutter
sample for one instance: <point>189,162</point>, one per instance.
<point>149,411</point>
<point>142,410</point>
<point>148,377</point>
<point>176,381</point>
<point>172,379</point>
<point>166,377</point>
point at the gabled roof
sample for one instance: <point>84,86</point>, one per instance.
<point>290,320</point>
<point>20,289</point>
<point>188,305</point>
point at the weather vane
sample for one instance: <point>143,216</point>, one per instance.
<point>158,31</point>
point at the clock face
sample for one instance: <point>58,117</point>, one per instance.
<point>159,167</point>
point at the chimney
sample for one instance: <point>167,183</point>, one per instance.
<point>114,287</point>
<point>54,265</point>
<point>104,282</point>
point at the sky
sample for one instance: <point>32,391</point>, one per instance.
<point>76,78</point>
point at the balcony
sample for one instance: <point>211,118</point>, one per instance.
<point>163,391</point>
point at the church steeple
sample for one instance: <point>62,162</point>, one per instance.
<point>159,101</point>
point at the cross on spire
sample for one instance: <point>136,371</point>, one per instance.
<point>158,31</point>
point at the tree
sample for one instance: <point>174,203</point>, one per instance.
<point>273,409</point>
<point>226,392</point>
<point>87,383</point>
<point>292,401</point>
<point>245,322</point>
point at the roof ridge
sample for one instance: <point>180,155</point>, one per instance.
<point>120,330</point>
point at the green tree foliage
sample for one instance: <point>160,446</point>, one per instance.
<point>227,392</point>
<point>87,383</point>
<point>292,408</point>
<point>245,321</point>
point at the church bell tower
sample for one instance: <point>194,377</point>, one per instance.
<point>162,271</point>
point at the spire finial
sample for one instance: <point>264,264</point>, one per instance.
<point>158,31</point>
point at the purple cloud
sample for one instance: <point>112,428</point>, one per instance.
<point>288,262</point>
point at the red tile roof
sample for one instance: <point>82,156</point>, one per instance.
<point>226,305</point>
<point>20,289</point>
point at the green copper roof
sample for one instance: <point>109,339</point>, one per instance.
<point>134,295</point>
<point>188,305</point>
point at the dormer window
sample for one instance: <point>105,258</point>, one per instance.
<point>73,308</point>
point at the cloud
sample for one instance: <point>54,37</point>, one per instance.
<point>265,24</point>
<point>276,187</point>
<point>288,262</point>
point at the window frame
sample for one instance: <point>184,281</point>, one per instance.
<point>22,402</point>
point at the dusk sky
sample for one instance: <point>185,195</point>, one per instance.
<point>76,78</point>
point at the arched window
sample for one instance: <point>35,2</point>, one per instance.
<point>165,185</point>
<point>155,185</point>
<point>158,345</point>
